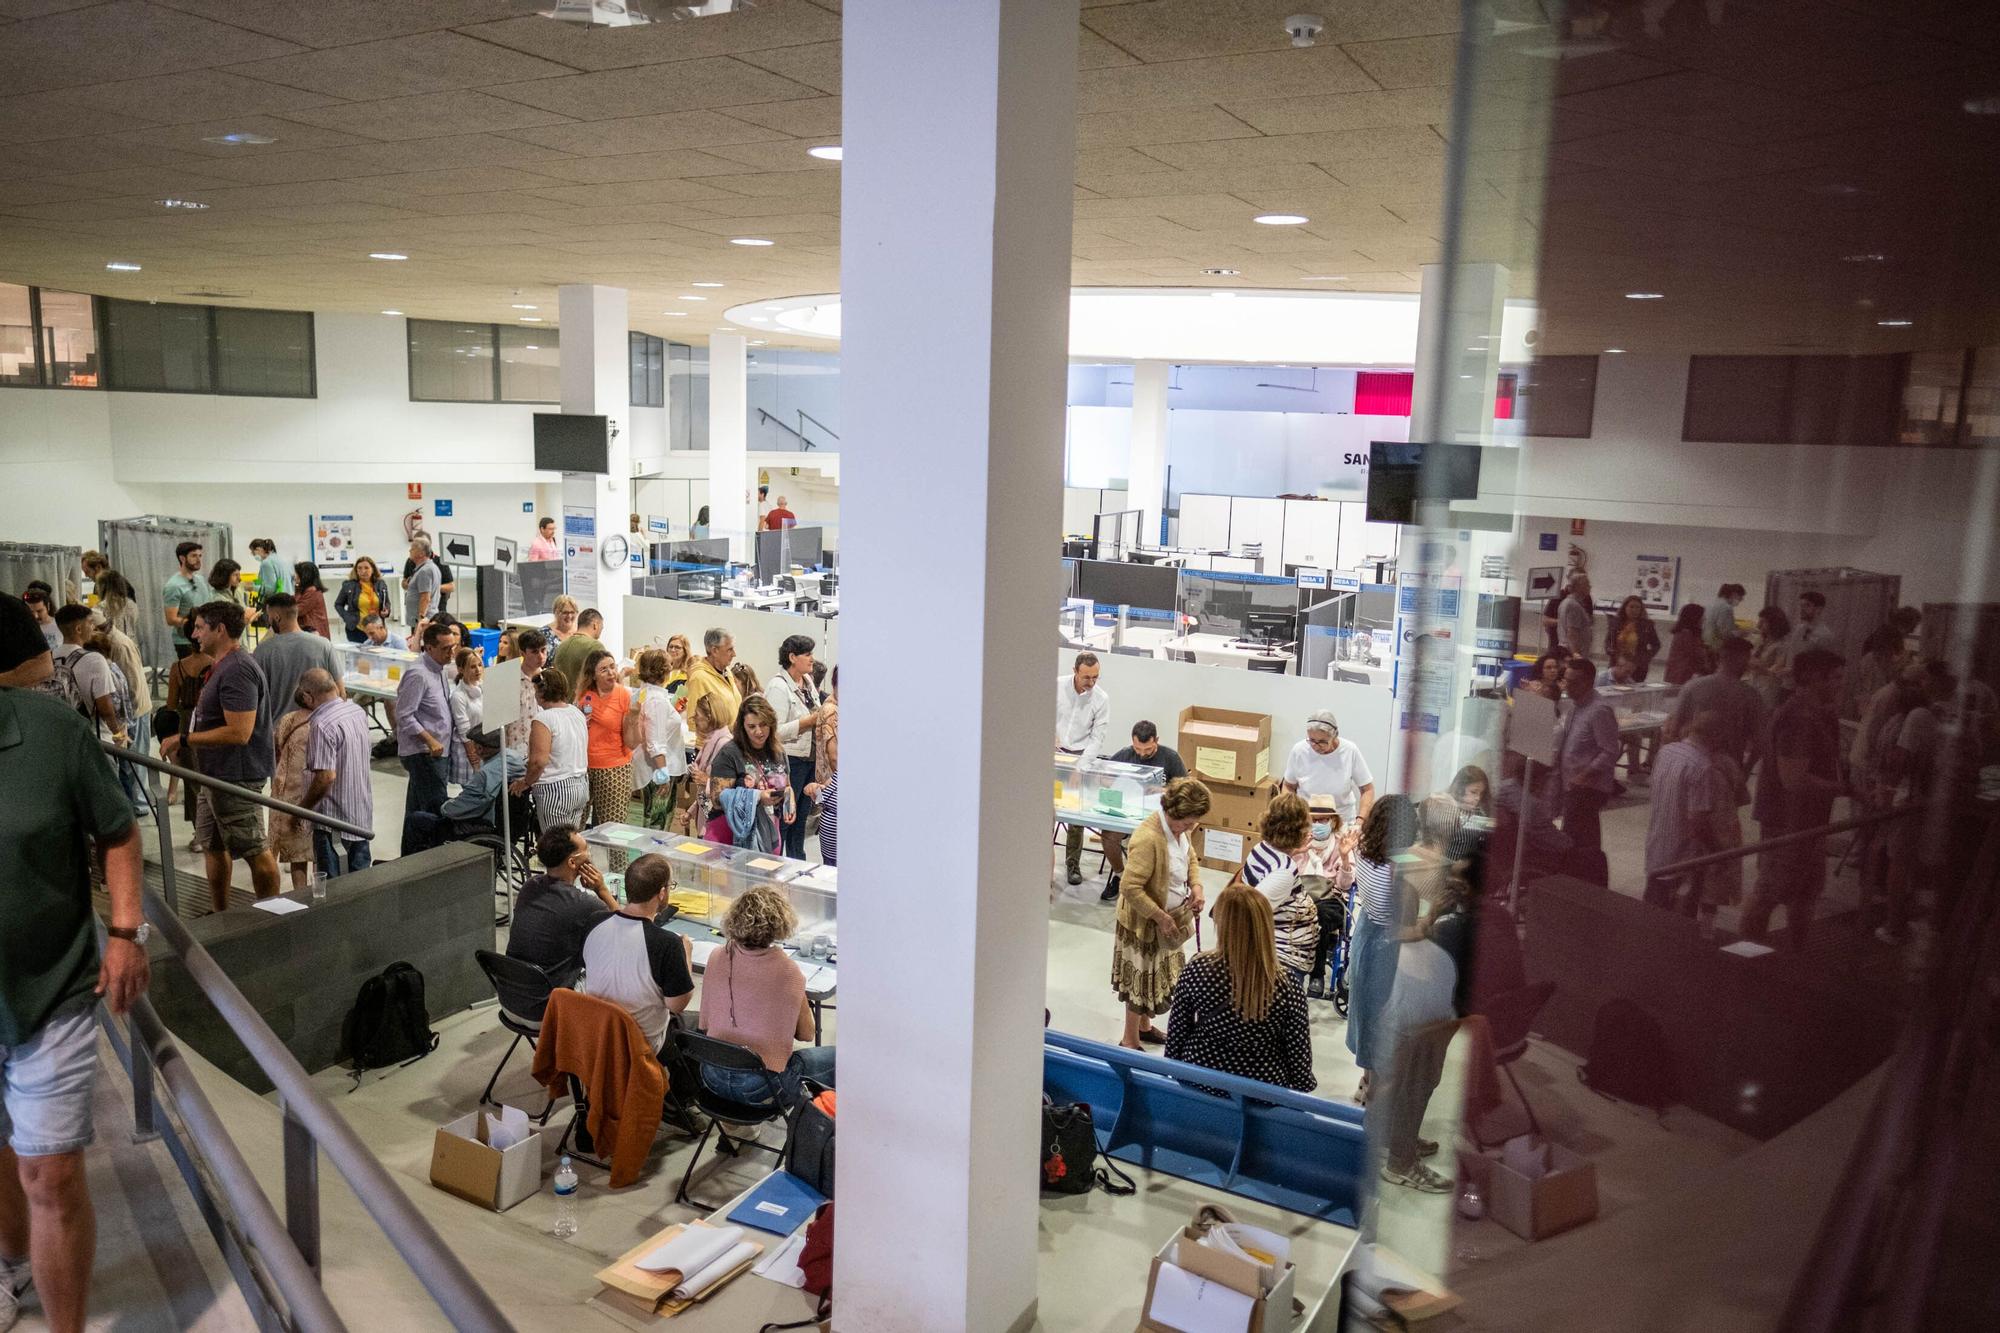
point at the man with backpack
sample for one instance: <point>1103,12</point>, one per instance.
<point>83,678</point>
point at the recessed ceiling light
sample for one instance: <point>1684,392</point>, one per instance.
<point>1645,296</point>
<point>122,266</point>
<point>704,284</point>
<point>685,297</point>
<point>527,307</point>
<point>1282,219</point>
<point>750,240</point>
<point>757,342</point>
<point>675,314</point>
<point>1614,351</point>
<point>1893,323</point>
<point>188,204</point>
<point>1982,106</point>
<point>239,138</point>
<point>828,152</point>
<point>1327,277</point>
<point>1869,257</point>
<point>385,254</point>
<point>775,305</point>
<point>392,312</point>
<point>1222,272</point>
<point>531,319</point>
<point>1223,296</point>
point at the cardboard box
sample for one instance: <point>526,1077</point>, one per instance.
<point>1229,829</point>
<point>1270,1310</point>
<point>1224,745</point>
<point>1538,1206</point>
<point>463,1164</point>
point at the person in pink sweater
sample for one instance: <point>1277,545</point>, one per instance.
<point>754,995</point>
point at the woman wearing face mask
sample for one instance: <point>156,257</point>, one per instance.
<point>1326,872</point>
<point>292,837</point>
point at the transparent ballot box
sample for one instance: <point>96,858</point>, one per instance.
<point>708,877</point>
<point>1639,699</point>
<point>1093,787</point>
<point>366,663</point>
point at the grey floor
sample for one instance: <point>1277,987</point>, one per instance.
<point>1638,1156</point>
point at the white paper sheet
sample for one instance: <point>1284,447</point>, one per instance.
<point>699,951</point>
<point>782,1264</point>
<point>279,906</point>
<point>713,1272</point>
<point>692,1250</point>
<point>1747,949</point>
<point>1191,1304</point>
<point>506,1129</point>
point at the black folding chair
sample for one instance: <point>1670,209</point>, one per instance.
<point>1509,1016</point>
<point>523,990</point>
<point>712,1053</point>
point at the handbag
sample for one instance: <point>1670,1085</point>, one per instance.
<point>1069,1153</point>
<point>809,1140</point>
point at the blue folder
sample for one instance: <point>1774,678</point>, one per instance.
<point>779,1205</point>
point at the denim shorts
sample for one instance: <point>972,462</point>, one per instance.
<point>46,1085</point>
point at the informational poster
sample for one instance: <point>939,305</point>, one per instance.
<point>1657,581</point>
<point>332,540</point>
<point>580,552</point>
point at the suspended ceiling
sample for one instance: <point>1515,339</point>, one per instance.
<point>1727,154</point>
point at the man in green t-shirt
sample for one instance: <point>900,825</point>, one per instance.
<point>63,806</point>
<point>577,649</point>
<point>183,593</point>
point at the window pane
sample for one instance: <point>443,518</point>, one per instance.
<point>636,344</point>
<point>1982,399</point>
<point>69,340</point>
<point>529,359</point>
<point>17,337</point>
<point>1738,399</point>
<point>157,347</point>
<point>268,352</point>
<point>1845,399</point>
<point>451,363</point>
<point>1557,396</point>
<point>1930,398</point>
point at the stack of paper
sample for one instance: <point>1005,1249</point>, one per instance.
<point>680,1266</point>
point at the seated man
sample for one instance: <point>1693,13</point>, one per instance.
<point>633,961</point>
<point>557,908</point>
<point>379,635</point>
<point>475,809</point>
<point>1144,749</point>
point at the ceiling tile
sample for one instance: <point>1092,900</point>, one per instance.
<point>816,66</point>
<point>209,94</point>
<point>645,134</point>
<point>143,180</point>
<point>402,66</point>
<point>462,180</point>
<point>779,155</point>
<point>289,137</point>
<point>1095,162</point>
<point>342,22</point>
<point>809,117</point>
<point>1346,111</point>
<point>1408,62</point>
<point>719,81</point>
<point>1129,129</point>
<point>123,40</point>
<point>72,155</point>
<point>773,23</point>
<point>37,117</point>
<point>458,150</point>
<point>428,115</point>
<point>1314,71</point>
<point>1213,180</point>
<point>1093,52</point>
<point>810,188</point>
<point>660,191</point>
<point>673,164</point>
<point>1331,150</point>
<point>1190,29</point>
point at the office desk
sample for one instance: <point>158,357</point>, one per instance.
<point>1377,676</point>
<point>543,621</point>
<point>1147,638</point>
<point>758,599</point>
<point>1221,650</point>
<point>369,692</point>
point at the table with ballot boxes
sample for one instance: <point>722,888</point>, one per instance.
<point>709,876</point>
<point>371,674</point>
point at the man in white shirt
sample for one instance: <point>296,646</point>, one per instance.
<point>90,671</point>
<point>632,961</point>
<point>1083,717</point>
<point>1325,764</point>
<point>1577,617</point>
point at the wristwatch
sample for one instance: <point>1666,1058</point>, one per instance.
<point>138,934</point>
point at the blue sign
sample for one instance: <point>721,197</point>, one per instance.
<point>1548,541</point>
<point>443,508</point>
<point>527,506</point>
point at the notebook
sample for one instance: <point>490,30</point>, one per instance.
<point>780,1205</point>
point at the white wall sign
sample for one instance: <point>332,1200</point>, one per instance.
<point>332,540</point>
<point>1657,580</point>
<point>580,552</point>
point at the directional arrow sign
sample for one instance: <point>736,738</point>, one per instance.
<point>457,546</point>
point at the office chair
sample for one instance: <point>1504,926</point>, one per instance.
<point>1270,666</point>
<point>523,991</point>
<point>1181,655</point>
<point>712,1052</point>
<point>1350,677</point>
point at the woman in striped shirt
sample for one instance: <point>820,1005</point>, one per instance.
<point>1274,869</point>
<point>1391,827</point>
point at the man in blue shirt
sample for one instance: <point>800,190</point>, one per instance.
<point>475,809</point>
<point>423,725</point>
<point>1586,757</point>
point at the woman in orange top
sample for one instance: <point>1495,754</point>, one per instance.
<point>613,727</point>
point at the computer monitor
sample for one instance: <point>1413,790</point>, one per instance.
<point>770,552</point>
<point>541,584</point>
<point>1273,627</point>
<point>1400,473</point>
<point>804,546</point>
<point>1115,583</point>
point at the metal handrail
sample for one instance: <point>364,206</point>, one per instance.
<point>1787,839</point>
<point>186,774</point>
<point>311,1125</point>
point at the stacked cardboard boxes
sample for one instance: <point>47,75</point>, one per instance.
<point>1230,752</point>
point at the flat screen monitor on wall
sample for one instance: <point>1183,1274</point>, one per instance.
<point>572,442</point>
<point>1397,475</point>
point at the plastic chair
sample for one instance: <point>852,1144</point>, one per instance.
<point>1270,666</point>
<point>713,1053</point>
<point>523,991</point>
<point>1510,1015</point>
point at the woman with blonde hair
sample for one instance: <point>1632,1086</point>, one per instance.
<point>564,609</point>
<point>754,995</point>
<point>1159,897</point>
<point>679,654</point>
<point>1235,1009</point>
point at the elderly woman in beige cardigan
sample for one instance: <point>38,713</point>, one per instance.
<point>1159,898</point>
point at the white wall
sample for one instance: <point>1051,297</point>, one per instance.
<point>56,467</point>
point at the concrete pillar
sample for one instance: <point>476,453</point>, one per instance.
<point>732,495</point>
<point>1457,376</point>
<point>1148,468</point>
<point>955,260</point>
<point>595,371</point>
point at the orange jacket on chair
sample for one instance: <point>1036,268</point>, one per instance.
<point>602,1046</point>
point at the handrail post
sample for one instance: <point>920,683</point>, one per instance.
<point>302,1189</point>
<point>163,822</point>
<point>144,1128</point>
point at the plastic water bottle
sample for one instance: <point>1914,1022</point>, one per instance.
<point>565,1197</point>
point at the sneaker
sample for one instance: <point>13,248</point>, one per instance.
<point>14,1282</point>
<point>1427,1147</point>
<point>1110,894</point>
<point>1316,989</point>
<point>1418,1177</point>
<point>1075,876</point>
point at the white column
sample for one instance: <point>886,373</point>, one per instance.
<point>1457,377</point>
<point>1148,466</point>
<point>732,496</point>
<point>955,255</point>
<point>595,373</point>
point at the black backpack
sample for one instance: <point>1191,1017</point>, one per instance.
<point>1069,1162</point>
<point>389,1024</point>
<point>1629,1057</point>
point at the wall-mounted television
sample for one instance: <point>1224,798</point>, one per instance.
<point>572,442</point>
<point>1400,473</point>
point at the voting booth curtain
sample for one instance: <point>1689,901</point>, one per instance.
<point>142,549</point>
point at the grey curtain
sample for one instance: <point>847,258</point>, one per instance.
<point>61,567</point>
<point>142,549</point>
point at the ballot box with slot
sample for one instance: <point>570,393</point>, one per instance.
<point>1103,793</point>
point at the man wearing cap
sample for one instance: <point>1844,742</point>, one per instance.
<point>64,806</point>
<point>1323,762</point>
